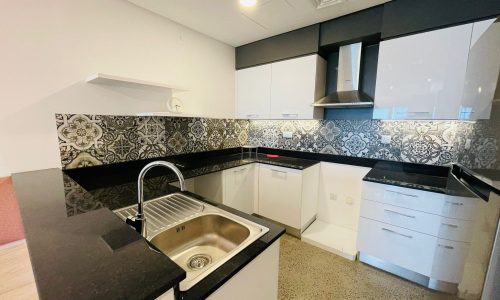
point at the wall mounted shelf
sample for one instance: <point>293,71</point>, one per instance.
<point>167,114</point>
<point>100,78</point>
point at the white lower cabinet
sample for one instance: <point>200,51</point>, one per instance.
<point>424,232</point>
<point>240,188</point>
<point>436,225</point>
<point>288,196</point>
<point>257,280</point>
<point>408,249</point>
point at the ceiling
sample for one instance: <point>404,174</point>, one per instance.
<point>229,22</point>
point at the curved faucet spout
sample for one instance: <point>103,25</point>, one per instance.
<point>139,221</point>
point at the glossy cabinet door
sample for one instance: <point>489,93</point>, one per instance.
<point>483,66</point>
<point>253,92</point>
<point>280,194</point>
<point>240,188</point>
<point>422,76</point>
<point>296,84</point>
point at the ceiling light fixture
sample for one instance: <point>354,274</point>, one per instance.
<point>248,3</point>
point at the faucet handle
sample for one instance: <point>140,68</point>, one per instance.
<point>134,222</point>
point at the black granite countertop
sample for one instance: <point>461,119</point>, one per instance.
<point>483,182</point>
<point>435,179</point>
<point>69,255</point>
<point>68,219</point>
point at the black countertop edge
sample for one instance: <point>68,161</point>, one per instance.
<point>96,177</point>
<point>406,185</point>
<point>221,275</point>
<point>359,161</point>
<point>481,182</point>
<point>400,174</point>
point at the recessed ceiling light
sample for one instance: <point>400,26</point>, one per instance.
<point>248,3</point>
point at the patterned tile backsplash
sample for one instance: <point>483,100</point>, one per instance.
<point>426,142</point>
<point>88,140</point>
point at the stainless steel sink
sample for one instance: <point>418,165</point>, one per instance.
<point>197,236</point>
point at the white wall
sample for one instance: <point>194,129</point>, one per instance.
<point>339,195</point>
<point>48,47</point>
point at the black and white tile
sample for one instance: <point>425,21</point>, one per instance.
<point>426,142</point>
<point>90,140</point>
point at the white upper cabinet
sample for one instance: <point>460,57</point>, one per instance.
<point>253,92</point>
<point>296,84</point>
<point>281,90</point>
<point>482,71</point>
<point>422,76</point>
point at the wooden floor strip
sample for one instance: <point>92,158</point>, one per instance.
<point>16,275</point>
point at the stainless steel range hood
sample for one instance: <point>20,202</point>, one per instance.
<point>348,93</point>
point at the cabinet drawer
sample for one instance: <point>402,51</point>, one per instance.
<point>449,260</point>
<point>403,197</point>
<point>435,203</point>
<point>408,249</point>
<point>439,226</point>
<point>280,194</point>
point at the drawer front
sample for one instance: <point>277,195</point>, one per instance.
<point>408,249</point>
<point>403,197</point>
<point>449,260</point>
<point>280,194</point>
<point>434,203</point>
<point>439,226</point>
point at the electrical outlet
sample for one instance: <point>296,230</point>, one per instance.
<point>287,134</point>
<point>386,139</point>
<point>333,196</point>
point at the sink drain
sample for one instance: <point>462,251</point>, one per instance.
<point>199,261</point>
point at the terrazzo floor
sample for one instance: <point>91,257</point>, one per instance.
<point>307,272</point>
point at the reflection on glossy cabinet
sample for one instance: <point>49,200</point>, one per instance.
<point>421,76</point>
<point>482,75</point>
<point>253,92</point>
<point>240,188</point>
<point>296,84</point>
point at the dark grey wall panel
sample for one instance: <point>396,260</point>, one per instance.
<point>348,113</point>
<point>369,63</point>
<point>403,17</point>
<point>295,43</point>
<point>353,27</point>
<point>332,72</point>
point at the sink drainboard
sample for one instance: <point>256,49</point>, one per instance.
<point>164,212</point>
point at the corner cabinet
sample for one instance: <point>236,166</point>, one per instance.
<point>281,90</point>
<point>427,75</point>
<point>289,196</point>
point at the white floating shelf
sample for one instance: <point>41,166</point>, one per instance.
<point>166,114</point>
<point>101,78</point>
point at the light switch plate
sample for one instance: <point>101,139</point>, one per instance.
<point>287,134</point>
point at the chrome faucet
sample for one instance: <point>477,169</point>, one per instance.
<point>139,221</point>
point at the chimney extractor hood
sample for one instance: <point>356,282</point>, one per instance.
<point>347,94</point>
